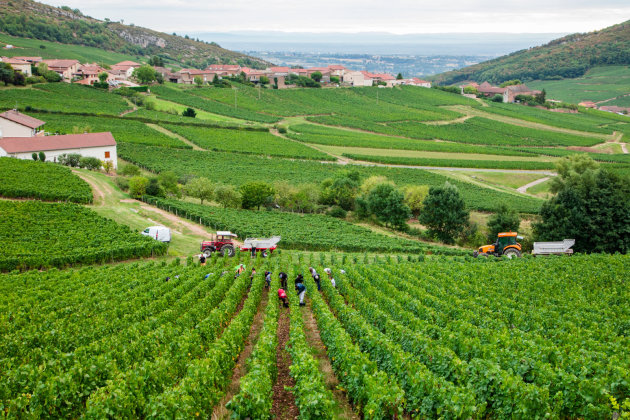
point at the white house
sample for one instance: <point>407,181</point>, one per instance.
<point>355,78</point>
<point>16,124</point>
<point>19,65</point>
<point>98,145</point>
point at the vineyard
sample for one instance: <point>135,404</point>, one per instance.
<point>444,337</point>
<point>313,232</point>
<point>241,141</point>
<point>123,130</point>
<point>42,235</point>
<point>222,167</point>
<point>456,163</point>
<point>63,97</point>
<point>43,181</point>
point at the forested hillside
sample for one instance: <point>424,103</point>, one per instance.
<point>30,19</point>
<point>570,56</point>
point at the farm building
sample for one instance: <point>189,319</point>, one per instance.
<point>18,64</point>
<point>16,124</point>
<point>98,145</point>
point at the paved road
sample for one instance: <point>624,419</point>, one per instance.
<point>525,187</point>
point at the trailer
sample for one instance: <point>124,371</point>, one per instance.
<point>263,245</point>
<point>554,248</point>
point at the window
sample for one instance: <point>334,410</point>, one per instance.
<point>106,155</point>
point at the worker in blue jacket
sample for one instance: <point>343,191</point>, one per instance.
<point>301,289</point>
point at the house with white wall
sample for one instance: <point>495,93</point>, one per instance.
<point>99,145</point>
<point>16,124</point>
<point>18,64</point>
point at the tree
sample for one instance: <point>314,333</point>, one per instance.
<point>373,181</point>
<point>189,112</point>
<point>317,76</point>
<point>264,80</point>
<point>200,188</point>
<point>399,76</point>
<point>34,156</point>
<point>52,76</point>
<point>334,79</point>
<point>591,206</point>
<point>541,97</point>
<point>6,73</point>
<point>42,156</point>
<point>103,76</point>
<point>138,186</point>
<point>144,74</point>
<point>227,196</point>
<point>198,81</point>
<point>129,169</point>
<point>168,182</point>
<point>154,188</point>
<point>341,191</point>
<point>511,83</point>
<point>387,204</point>
<point>255,194</point>
<point>414,198</point>
<point>444,213</point>
<point>108,165</point>
<point>19,79</point>
<point>471,90</point>
<point>497,98</point>
<point>506,219</point>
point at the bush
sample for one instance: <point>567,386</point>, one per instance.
<point>154,189</point>
<point>129,169</point>
<point>122,183</point>
<point>69,159</point>
<point>497,98</point>
<point>42,156</point>
<point>138,186</point>
<point>51,76</point>
<point>35,79</point>
<point>90,163</point>
<point>338,212</point>
<point>34,156</point>
<point>282,129</point>
<point>189,112</point>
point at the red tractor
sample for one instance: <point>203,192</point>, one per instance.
<point>222,243</point>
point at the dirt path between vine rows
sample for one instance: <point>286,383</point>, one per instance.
<point>314,340</point>
<point>283,407</point>
<point>240,369</point>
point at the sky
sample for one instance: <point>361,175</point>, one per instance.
<point>351,16</point>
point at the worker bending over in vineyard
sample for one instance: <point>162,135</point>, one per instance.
<point>330,276</point>
<point>283,279</point>
<point>315,277</point>
<point>251,277</point>
<point>267,279</point>
<point>202,259</point>
<point>282,295</point>
<point>239,270</point>
<point>301,289</point>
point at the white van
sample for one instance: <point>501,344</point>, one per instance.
<point>159,233</point>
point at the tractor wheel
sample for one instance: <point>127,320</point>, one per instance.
<point>228,249</point>
<point>511,253</point>
<point>207,252</point>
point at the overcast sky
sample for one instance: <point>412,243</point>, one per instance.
<point>395,16</point>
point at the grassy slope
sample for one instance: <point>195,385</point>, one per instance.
<point>598,84</point>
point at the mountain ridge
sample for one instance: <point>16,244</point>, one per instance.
<point>566,57</point>
<point>31,19</point>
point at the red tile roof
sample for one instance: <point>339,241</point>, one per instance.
<point>279,69</point>
<point>128,64</point>
<point>29,59</point>
<point>64,142</point>
<point>224,67</point>
<point>19,118</point>
<point>336,67</point>
<point>14,60</point>
<point>60,63</point>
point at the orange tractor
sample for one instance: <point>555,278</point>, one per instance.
<point>505,245</point>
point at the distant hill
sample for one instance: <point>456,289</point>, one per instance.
<point>566,57</point>
<point>30,19</point>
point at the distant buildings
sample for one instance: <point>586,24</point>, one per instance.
<point>509,93</point>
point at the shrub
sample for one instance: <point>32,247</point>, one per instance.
<point>189,112</point>
<point>138,186</point>
<point>90,163</point>
<point>122,183</point>
<point>34,155</point>
<point>338,212</point>
<point>497,98</point>
<point>129,169</point>
<point>70,159</point>
<point>42,156</point>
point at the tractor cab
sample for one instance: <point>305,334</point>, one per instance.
<point>506,244</point>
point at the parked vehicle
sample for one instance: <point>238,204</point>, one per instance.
<point>505,245</point>
<point>554,248</point>
<point>159,233</point>
<point>224,243</point>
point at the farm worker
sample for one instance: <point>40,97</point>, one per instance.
<point>253,251</point>
<point>202,259</point>
<point>251,276</point>
<point>301,289</point>
<point>239,269</point>
<point>267,278</point>
<point>283,279</point>
<point>282,295</point>
<point>315,277</point>
<point>330,276</point>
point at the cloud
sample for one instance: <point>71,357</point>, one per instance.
<point>396,16</point>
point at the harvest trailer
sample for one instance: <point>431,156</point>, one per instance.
<point>263,245</point>
<point>554,248</point>
<point>224,243</point>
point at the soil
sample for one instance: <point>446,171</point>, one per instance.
<point>240,369</point>
<point>319,352</point>
<point>97,192</point>
<point>283,407</point>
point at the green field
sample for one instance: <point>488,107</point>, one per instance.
<point>598,84</point>
<point>43,181</point>
<point>33,48</point>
